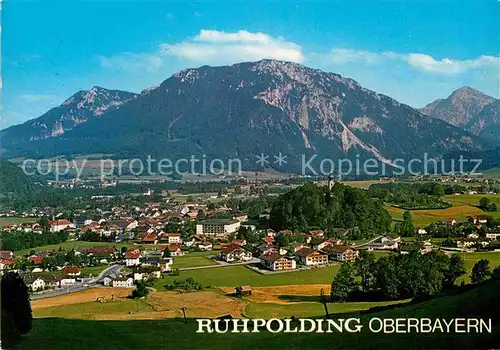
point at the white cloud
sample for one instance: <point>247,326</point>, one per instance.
<point>449,66</point>
<point>418,61</point>
<point>210,47</point>
<point>344,55</point>
<point>37,98</point>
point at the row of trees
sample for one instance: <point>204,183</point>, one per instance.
<point>396,276</point>
<point>410,196</point>
<point>15,241</point>
<point>487,205</point>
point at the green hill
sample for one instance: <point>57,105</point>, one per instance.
<point>13,181</point>
<point>479,302</point>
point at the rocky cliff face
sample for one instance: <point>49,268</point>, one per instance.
<point>464,108</point>
<point>261,107</point>
<point>78,109</point>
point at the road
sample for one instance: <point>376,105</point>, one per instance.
<point>367,243</point>
<point>79,286</point>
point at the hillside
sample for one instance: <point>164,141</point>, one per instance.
<point>467,108</point>
<point>265,107</point>
<point>78,109</point>
<point>480,302</point>
<point>12,179</point>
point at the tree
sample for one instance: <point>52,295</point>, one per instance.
<point>484,203</point>
<point>365,268</point>
<point>140,290</point>
<point>324,300</point>
<point>456,268</point>
<point>282,241</point>
<point>496,273</point>
<point>344,283</point>
<point>481,271</point>
<point>16,309</point>
<point>438,190</point>
<point>407,228</point>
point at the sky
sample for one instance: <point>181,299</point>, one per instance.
<point>414,51</point>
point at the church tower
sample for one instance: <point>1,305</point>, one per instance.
<point>330,181</point>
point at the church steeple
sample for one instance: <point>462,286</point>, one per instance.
<point>330,181</point>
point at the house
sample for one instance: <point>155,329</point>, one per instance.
<point>204,245</point>
<point>311,257</point>
<point>107,281</point>
<point>188,243</point>
<point>59,225</point>
<point>268,240</point>
<point>66,280</point>
<point>465,243</point>
<point>34,282</point>
<point>6,254</point>
<point>479,220</point>
<point>341,253</point>
<point>473,235</point>
<point>492,235</point>
<point>164,264</point>
<point>298,246</point>
<point>102,252</point>
<point>6,264</point>
<point>150,238</point>
<point>243,290</point>
<point>36,259</point>
<point>81,220</point>
<point>240,217</point>
<point>174,238</point>
<point>421,231</point>
<point>331,241</point>
<point>276,262</point>
<point>71,270</point>
<point>218,227</point>
<point>132,258</point>
<point>234,252</point>
<point>240,242</point>
<point>317,233</point>
<point>451,221</point>
<point>123,282</point>
<point>174,249</point>
<point>265,248</point>
<point>386,243</point>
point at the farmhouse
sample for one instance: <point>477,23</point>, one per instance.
<point>219,227</point>
<point>234,252</point>
<point>132,258</point>
<point>71,270</point>
<point>276,262</point>
<point>492,235</point>
<point>59,225</point>
<point>123,282</point>
<point>341,253</point>
<point>311,257</point>
<point>243,290</point>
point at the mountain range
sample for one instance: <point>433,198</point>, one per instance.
<point>468,109</point>
<point>247,109</point>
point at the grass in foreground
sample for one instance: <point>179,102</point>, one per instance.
<point>481,302</point>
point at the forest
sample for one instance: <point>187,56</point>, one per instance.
<point>311,207</point>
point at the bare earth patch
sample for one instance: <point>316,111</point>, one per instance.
<point>158,305</point>
<point>279,294</point>
<point>81,297</point>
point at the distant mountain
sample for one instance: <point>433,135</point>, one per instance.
<point>13,181</point>
<point>467,108</point>
<point>251,108</point>
<point>78,109</point>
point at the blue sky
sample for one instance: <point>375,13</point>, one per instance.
<point>414,51</point>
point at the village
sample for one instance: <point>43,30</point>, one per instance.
<point>119,245</point>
